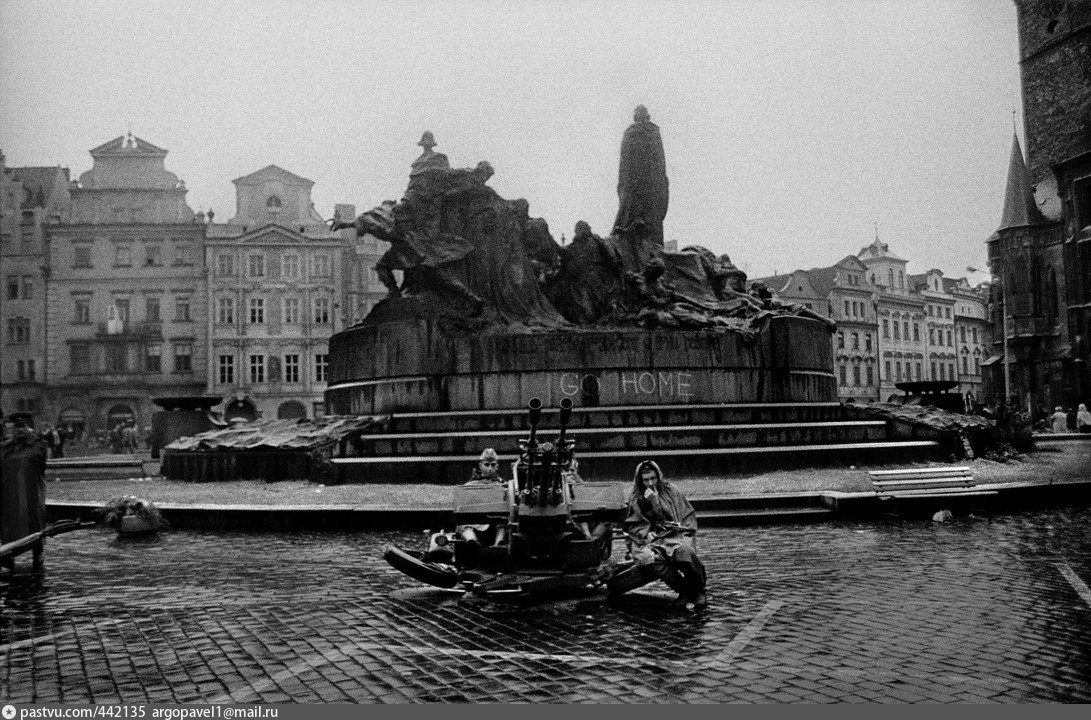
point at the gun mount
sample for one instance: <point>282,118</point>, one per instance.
<point>541,529</point>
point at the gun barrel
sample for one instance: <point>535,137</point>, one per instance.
<point>535,415</point>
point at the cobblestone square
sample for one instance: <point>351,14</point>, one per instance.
<point>968,611</point>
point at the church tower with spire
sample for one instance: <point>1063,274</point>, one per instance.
<point>1040,255</point>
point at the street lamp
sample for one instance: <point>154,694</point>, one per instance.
<point>1003,330</point>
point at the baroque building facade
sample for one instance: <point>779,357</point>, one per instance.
<point>126,306</point>
<point>30,197</point>
<point>893,327</point>
<point>276,293</point>
<point>1040,256</point>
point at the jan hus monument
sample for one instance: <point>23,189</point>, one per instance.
<point>490,311</point>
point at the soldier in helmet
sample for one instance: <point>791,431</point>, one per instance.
<point>488,468</point>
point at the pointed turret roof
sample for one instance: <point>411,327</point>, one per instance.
<point>1019,207</point>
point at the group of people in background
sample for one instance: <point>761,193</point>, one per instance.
<point>1065,421</point>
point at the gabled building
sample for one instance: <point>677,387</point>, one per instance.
<point>126,306</point>
<point>973,336</point>
<point>901,316</point>
<point>30,197</point>
<point>843,293</point>
<point>940,353</point>
<point>276,293</point>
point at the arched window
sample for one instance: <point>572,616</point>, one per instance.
<point>273,202</point>
<point>890,274</point>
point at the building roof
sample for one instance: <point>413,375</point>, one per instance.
<point>878,250</point>
<point>1020,209</point>
<point>272,171</point>
<point>822,279</point>
<point>128,145</point>
<point>776,283</point>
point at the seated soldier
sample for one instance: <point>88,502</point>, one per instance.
<point>487,472</point>
<point>661,526</point>
<point>602,532</point>
<point>488,468</point>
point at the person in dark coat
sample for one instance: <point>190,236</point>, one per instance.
<point>22,486</point>
<point>658,517</point>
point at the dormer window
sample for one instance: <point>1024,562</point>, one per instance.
<point>273,203</point>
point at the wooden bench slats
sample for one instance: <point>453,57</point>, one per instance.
<point>922,478</point>
<point>932,493</point>
<point>906,484</point>
<point>925,483</point>
<point>911,472</point>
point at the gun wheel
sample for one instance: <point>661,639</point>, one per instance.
<point>631,578</point>
<point>412,563</point>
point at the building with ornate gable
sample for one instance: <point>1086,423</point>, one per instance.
<point>276,293</point>
<point>893,327</point>
<point>900,315</point>
<point>126,306</point>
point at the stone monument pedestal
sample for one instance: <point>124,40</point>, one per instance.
<point>414,366</point>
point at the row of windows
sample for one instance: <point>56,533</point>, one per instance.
<point>291,266</point>
<point>854,308</point>
<point>289,311</point>
<point>124,256</point>
<point>118,359</point>
<point>902,371</point>
<point>890,279</point>
<point>20,287</point>
<point>938,311</point>
<point>899,328</point>
<point>906,371</point>
<point>855,341</point>
<point>122,309</point>
<point>270,368</point>
<point>856,375</point>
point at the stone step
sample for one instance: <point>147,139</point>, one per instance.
<point>631,438</point>
<point>617,416</point>
<point>730,503</point>
<point>614,465</point>
<point>761,515</point>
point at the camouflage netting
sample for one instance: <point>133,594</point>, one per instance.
<point>263,450</point>
<point>967,435</point>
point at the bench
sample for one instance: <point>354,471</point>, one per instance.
<point>927,485</point>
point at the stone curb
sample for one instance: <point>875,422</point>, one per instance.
<point>757,509</point>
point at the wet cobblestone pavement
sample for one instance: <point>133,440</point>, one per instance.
<point>848,612</point>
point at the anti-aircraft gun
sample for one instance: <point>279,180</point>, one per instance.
<point>540,530</point>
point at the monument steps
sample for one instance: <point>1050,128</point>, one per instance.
<point>618,416</point>
<point>621,438</point>
<point>712,440</point>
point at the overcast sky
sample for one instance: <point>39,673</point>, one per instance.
<point>790,127</point>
